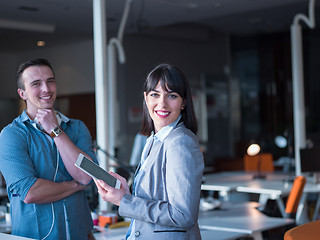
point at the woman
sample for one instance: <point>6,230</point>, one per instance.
<point>166,190</point>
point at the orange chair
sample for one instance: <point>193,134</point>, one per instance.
<point>251,163</point>
<point>293,200</point>
<point>295,196</point>
<point>307,231</point>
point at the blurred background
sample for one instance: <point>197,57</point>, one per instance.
<point>235,53</point>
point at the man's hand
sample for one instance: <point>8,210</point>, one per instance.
<point>47,119</point>
<point>68,150</point>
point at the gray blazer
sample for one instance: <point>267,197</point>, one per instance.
<point>166,205</point>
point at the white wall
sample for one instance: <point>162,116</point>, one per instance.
<point>73,65</point>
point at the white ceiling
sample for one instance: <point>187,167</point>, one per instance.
<point>73,18</point>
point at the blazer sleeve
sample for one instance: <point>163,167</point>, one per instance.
<point>182,175</point>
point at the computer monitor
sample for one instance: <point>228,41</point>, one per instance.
<point>310,162</point>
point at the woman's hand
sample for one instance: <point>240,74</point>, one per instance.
<point>111,194</point>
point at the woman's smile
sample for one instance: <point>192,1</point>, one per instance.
<point>164,106</point>
<point>163,114</point>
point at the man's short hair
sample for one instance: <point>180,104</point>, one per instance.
<point>30,63</point>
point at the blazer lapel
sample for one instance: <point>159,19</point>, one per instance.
<point>145,154</point>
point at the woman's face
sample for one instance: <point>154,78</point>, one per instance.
<point>164,107</point>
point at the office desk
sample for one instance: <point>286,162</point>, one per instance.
<point>111,234</point>
<point>240,218</point>
<point>4,236</point>
<point>275,186</point>
<point>206,234</point>
<point>226,182</point>
<point>234,219</point>
<point>220,234</point>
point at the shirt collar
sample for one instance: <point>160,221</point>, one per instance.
<point>60,117</point>
<point>164,132</point>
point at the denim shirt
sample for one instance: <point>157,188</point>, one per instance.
<point>27,154</point>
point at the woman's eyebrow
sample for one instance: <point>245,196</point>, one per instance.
<point>170,91</point>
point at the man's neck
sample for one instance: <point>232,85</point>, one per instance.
<point>31,116</point>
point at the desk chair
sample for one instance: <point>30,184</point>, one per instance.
<point>289,211</point>
<point>295,196</point>
<point>307,231</point>
<point>266,162</point>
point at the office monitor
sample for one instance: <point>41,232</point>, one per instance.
<point>310,162</point>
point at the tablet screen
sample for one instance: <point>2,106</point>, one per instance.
<point>95,170</point>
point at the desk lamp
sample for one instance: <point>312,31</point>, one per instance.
<point>253,150</point>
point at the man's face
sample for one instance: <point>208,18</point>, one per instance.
<point>40,89</point>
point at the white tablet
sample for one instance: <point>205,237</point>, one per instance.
<point>95,171</point>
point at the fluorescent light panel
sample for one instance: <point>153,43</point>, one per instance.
<point>26,26</point>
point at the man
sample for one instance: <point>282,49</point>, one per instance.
<point>37,155</point>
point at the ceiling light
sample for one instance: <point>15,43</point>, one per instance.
<point>26,26</point>
<point>41,43</point>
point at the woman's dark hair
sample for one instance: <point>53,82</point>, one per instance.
<point>173,78</point>
<point>30,63</point>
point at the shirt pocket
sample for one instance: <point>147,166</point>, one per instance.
<point>170,234</point>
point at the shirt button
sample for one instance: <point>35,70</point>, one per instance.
<point>137,233</point>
